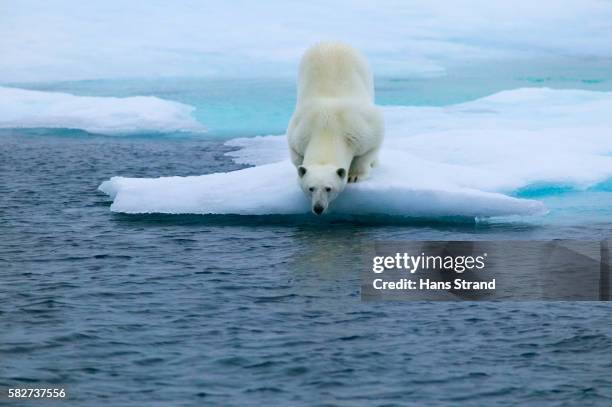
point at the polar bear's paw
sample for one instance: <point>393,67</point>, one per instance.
<point>362,165</point>
<point>357,176</point>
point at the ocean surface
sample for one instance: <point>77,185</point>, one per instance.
<point>132,310</point>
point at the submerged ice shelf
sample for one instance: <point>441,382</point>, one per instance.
<point>459,160</point>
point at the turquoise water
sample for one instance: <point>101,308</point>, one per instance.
<point>243,108</point>
<point>228,310</point>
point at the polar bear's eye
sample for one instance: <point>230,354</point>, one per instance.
<point>328,189</point>
<point>311,189</point>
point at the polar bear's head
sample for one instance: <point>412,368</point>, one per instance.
<point>322,184</point>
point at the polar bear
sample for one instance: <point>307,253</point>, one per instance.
<point>336,130</point>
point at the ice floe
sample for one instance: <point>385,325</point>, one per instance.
<point>20,108</point>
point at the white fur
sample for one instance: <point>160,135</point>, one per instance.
<point>335,124</point>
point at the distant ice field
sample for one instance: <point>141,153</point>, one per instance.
<point>70,40</point>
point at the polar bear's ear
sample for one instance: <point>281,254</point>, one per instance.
<point>341,172</point>
<point>301,171</point>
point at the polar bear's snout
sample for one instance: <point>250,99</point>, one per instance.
<point>318,209</point>
<point>320,200</point>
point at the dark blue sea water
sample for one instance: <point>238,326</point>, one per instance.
<point>238,311</point>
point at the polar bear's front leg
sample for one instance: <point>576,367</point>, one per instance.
<point>361,166</point>
<point>296,158</point>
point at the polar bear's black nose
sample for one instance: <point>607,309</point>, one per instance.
<point>318,209</point>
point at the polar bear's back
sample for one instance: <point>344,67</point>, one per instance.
<point>334,70</point>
